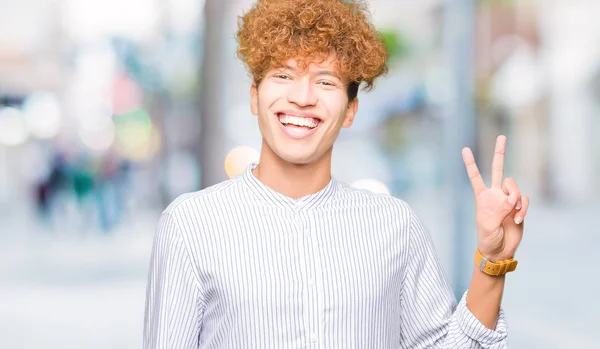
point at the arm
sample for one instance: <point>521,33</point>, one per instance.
<point>430,316</point>
<point>428,303</point>
<point>500,210</point>
<point>485,296</point>
<point>172,315</point>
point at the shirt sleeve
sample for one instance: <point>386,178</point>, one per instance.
<point>172,314</point>
<point>430,316</point>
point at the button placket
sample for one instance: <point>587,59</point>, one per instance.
<point>304,252</point>
<point>310,283</point>
<point>317,275</point>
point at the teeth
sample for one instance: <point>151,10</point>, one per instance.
<point>297,120</point>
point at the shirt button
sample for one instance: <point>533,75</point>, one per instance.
<point>311,282</point>
<point>313,337</point>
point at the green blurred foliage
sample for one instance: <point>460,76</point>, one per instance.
<point>396,44</point>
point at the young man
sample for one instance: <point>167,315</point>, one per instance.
<point>285,256</point>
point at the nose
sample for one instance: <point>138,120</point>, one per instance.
<point>302,94</point>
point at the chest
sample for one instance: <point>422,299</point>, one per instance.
<point>286,263</point>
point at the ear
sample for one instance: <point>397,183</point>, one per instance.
<point>254,98</point>
<point>350,112</point>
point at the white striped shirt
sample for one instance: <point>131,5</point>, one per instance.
<point>238,265</point>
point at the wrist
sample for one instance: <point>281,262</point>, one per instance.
<point>495,254</point>
<point>494,267</point>
<point>490,280</point>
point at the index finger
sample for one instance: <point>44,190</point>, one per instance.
<point>498,162</point>
<point>474,175</point>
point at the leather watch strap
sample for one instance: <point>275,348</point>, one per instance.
<point>494,268</point>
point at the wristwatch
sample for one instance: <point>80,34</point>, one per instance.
<point>494,268</point>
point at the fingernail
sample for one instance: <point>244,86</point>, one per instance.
<point>518,220</point>
<point>512,199</point>
<point>518,207</point>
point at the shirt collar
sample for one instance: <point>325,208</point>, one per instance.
<point>297,205</point>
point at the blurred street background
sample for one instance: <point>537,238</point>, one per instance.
<point>109,109</point>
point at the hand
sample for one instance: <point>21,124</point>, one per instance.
<point>499,210</point>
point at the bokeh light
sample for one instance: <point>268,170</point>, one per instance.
<point>95,117</point>
<point>127,95</point>
<point>372,185</point>
<point>137,138</point>
<point>42,114</point>
<point>99,139</point>
<point>13,130</point>
<point>85,20</point>
<point>239,158</point>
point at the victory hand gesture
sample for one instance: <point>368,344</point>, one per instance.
<point>499,210</point>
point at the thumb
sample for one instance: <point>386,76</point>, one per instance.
<point>508,206</point>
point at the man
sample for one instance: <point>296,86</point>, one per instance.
<point>285,256</point>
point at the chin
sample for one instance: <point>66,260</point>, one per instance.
<point>292,152</point>
<point>298,159</point>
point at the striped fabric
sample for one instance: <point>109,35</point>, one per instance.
<point>238,265</point>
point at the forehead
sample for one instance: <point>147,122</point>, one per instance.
<point>326,65</point>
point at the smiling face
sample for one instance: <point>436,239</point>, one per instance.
<point>301,111</point>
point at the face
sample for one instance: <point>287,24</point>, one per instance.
<point>300,112</point>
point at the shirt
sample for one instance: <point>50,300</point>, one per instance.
<point>239,265</point>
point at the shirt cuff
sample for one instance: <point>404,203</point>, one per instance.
<point>477,331</point>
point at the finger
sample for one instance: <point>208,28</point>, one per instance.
<point>508,205</point>
<point>519,200</point>
<point>511,188</point>
<point>473,172</point>
<point>520,215</point>
<point>498,162</point>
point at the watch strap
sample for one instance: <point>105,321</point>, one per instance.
<point>494,268</point>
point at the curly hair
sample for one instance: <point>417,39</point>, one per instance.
<point>273,31</point>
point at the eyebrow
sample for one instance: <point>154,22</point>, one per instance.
<point>325,72</point>
<point>329,73</point>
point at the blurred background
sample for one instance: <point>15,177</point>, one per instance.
<point>111,109</point>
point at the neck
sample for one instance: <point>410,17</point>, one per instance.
<point>292,180</point>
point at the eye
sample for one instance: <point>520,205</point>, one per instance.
<point>282,76</point>
<point>326,83</point>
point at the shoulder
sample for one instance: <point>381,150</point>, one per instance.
<point>215,197</point>
<point>386,205</point>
